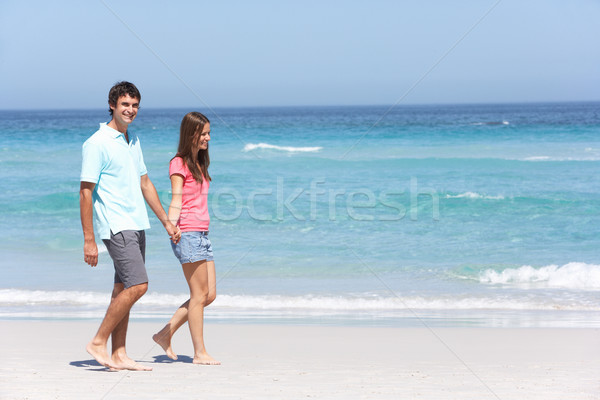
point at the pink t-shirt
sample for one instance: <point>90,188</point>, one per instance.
<point>194,201</point>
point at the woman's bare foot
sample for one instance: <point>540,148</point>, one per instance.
<point>165,343</point>
<point>205,359</point>
<point>99,353</point>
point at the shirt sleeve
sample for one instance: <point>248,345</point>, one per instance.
<point>141,165</point>
<point>177,166</point>
<point>92,162</point>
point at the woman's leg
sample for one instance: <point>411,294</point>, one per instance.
<point>197,277</point>
<point>163,337</point>
<point>212,282</point>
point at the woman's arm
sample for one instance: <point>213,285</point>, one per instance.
<point>176,195</point>
<point>151,196</point>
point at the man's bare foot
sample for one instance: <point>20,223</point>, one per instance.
<point>132,367</point>
<point>205,359</point>
<point>99,353</point>
<point>165,344</point>
<point>124,362</point>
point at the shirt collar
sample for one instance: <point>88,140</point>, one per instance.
<point>112,132</point>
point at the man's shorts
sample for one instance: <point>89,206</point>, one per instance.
<point>193,247</point>
<point>128,252</point>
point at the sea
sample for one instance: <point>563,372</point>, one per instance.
<point>408,216</point>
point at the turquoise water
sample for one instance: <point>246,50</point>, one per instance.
<point>486,215</point>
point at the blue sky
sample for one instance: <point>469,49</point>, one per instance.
<point>67,54</point>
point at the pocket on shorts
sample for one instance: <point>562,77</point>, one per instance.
<point>206,248</point>
<point>117,239</point>
<point>205,244</point>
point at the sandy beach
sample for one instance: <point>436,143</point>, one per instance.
<point>47,360</point>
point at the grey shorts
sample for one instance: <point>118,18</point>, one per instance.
<point>128,252</point>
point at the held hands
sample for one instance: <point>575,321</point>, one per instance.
<point>90,252</point>
<point>173,231</point>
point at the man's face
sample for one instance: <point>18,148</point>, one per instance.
<point>125,110</point>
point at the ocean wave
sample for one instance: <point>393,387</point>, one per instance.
<point>537,158</point>
<point>573,275</point>
<point>491,123</point>
<point>163,303</point>
<point>253,146</point>
<point>557,158</point>
<point>473,195</point>
<point>19,297</point>
<point>368,304</point>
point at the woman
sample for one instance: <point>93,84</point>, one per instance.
<point>189,183</point>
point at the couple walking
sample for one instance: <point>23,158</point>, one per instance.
<point>114,185</point>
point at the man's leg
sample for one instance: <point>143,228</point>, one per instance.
<point>127,249</point>
<point>117,311</point>
<point>119,334</point>
<point>120,358</point>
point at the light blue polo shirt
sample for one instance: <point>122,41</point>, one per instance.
<point>115,166</point>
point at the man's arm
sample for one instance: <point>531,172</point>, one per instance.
<point>151,196</point>
<point>90,249</point>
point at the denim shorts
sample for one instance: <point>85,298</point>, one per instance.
<point>192,247</point>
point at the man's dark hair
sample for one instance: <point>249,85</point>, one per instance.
<point>122,88</point>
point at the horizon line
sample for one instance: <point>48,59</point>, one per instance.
<point>319,105</point>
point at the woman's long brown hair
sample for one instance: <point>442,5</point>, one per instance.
<point>197,162</point>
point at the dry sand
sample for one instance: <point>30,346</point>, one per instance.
<point>47,360</point>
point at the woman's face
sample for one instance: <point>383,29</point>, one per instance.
<point>202,138</point>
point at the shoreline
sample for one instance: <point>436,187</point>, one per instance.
<point>47,359</point>
<point>513,320</point>
<point>497,310</point>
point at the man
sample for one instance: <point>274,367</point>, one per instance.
<point>114,183</point>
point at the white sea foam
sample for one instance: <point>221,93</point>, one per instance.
<point>537,158</point>
<point>574,275</point>
<point>558,158</point>
<point>18,297</point>
<point>161,303</point>
<point>253,146</point>
<point>473,195</point>
<point>492,123</point>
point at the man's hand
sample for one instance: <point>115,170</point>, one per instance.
<point>173,231</point>
<point>90,252</point>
